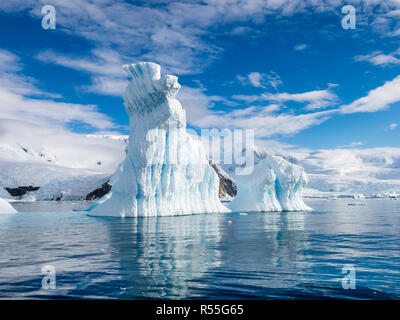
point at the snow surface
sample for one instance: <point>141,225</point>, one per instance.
<point>350,173</point>
<point>274,185</point>
<point>68,166</point>
<point>166,170</point>
<point>5,207</point>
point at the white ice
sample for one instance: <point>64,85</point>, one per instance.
<point>5,207</point>
<point>166,171</point>
<point>275,184</point>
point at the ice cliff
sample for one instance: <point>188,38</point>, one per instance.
<point>275,184</point>
<point>166,171</point>
<point>5,207</point>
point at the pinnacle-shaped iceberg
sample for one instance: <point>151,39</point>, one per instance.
<point>166,171</point>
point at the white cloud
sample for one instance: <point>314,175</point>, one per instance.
<point>104,66</point>
<point>12,79</point>
<point>377,99</point>
<point>9,62</point>
<point>264,120</point>
<point>17,102</point>
<point>393,126</point>
<point>177,34</point>
<point>255,79</point>
<point>49,112</point>
<point>170,34</point>
<point>268,122</point>
<point>316,99</point>
<point>261,80</point>
<point>196,103</point>
<point>107,86</point>
<point>349,171</point>
<point>353,144</point>
<point>395,33</point>
<point>43,123</point>
<point>378,58</point>
<point>300,47</point>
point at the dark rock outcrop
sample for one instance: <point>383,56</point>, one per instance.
<point>227,186</point>
<point>99,192</point>
<point>20,191</point>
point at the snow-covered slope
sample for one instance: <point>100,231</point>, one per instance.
<point>69,166</point>
<point>66,168</point>
<point>166,170</point>
<point>373,172</point>
<point>5,207</point>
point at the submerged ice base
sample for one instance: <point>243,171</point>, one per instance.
<point>166,171</point>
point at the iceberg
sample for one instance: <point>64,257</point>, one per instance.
<point>166,170</point>
<point>5,207</point>
<point>275,184</point>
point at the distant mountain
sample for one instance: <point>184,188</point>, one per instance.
<point>30,172</point>
<point>373,172</point>
<point>81,168</point>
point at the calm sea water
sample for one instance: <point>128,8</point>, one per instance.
<point>292,255</point>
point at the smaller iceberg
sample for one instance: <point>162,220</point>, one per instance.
<point>5,207</point>
<point>275,184</point>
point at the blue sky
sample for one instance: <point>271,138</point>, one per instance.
<point>284,68</point>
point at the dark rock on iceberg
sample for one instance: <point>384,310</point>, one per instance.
<point>20,191</point>
<point>99,192</point>
<point>227,186</point>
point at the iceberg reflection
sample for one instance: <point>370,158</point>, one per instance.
<point>162,255</point>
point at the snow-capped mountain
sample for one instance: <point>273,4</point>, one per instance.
<point>70,166</point>
<point>341,172</point>
<point>52,167</point>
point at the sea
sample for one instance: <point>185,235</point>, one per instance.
<point>343,249</point>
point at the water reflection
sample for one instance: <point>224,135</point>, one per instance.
<point>258,255</point>
<point>160,256</point>
<point>183,257</point>
<point>260,251</point>
<point>74,244</point>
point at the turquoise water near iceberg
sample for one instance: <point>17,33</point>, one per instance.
<point>289,255</point>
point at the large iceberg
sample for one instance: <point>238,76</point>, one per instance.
<point>274,184</point>
<point>166,171</point>
<point>5,207</point>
